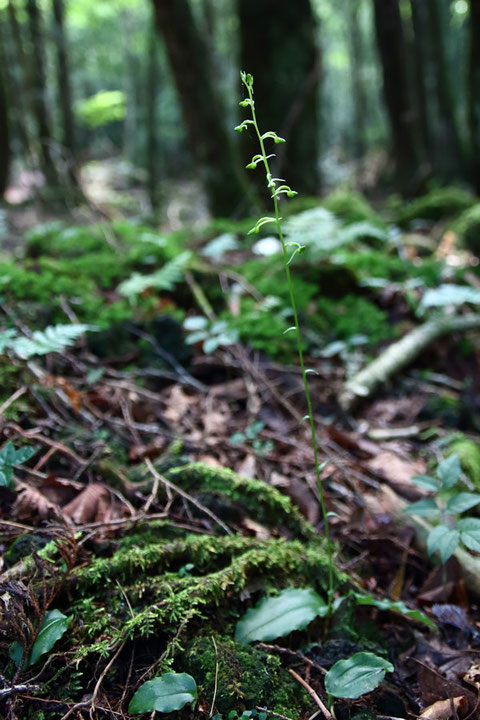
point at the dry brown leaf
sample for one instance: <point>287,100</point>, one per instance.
<point>152,450</point>
<point>446,709</point>
<point>31,502</point>
<point>91,505</point>
<point>178,402</point>
<point>472,676</point>
<point>247,468</point>
<point>397,471</point>
<point>257,530</point>
<point>73,395</point>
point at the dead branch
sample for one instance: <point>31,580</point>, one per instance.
<point>401,354</point>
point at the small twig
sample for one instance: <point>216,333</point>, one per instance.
<point>186,496</point>
<point>153,494</point>
<point>216,678</point>
<point>18,688</point>
<point>35,435</point>
<point>272,712</point>
<point>295,653</point>
<point>13,398</point>
<point>102,677</point>
<point>327,714</point>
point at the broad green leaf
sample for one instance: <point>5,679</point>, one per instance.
<point>166,693</point>
<point>23,454</point>
<point>196,322</point>
<point>395,605</point>
<point>356,676</point>
<point>461,502</point>
<point>9,457</point>
<point>449,295</point>
<point>426,482</point>
<point>469,529</point>
<point>275,617</point>
<point>443,539</point>
<point>449,470</point>
<point>54,625</point>
<point>425,508</point>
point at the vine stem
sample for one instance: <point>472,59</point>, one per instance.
<point>299,347</point>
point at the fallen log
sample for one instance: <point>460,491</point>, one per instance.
<point>400,354</point>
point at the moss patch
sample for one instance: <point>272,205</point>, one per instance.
<point>352,207</point>
<point>467,227</point>
<point>436,205</point>
<point>246,677</point>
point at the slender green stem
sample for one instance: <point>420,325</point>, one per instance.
<point>286,260</point>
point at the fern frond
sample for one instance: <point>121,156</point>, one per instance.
<point>164,279</point>
<point>53,339</point>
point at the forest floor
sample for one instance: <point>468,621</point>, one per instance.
<point>170,484</point>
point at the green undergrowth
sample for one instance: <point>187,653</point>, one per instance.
<point>467,227</point>
<point>351,252</point>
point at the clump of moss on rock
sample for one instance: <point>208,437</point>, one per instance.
<point>246,677</point>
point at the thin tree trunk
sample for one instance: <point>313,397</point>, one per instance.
<point>451,153</point>
<point>360,105</point>
<point>152,145</point>
<point>64,92</point>
<point>279,48</point>
<point>5,155</point>
<point>39,100</point>
<point>202,109</point>
<point>401,110</point>
<point>421,41</point>
<point>21,78</point>
<point>474,89</point>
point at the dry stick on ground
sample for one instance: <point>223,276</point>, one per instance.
<point>18,393</point>
<point>401,354</point>
<point>327,714</point>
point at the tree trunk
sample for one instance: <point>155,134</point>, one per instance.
<point>39,100</point>
<point>451,162</point>
<point>202,109</point>
<point>474,89</point>
<point>422,56</point>
<point>278,47</point>
<point>152,145</point>
<point>64,92</point>
<point>360,104</point>
<point>401,110</point>
<point>21,80</point>
<point>4,130</point>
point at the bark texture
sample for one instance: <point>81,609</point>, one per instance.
<point>39,100</point>
<point>474,89</point>
<point>202,109</point>
<point>64,92</point>
<point>401,109</point>
<point>4,135</point>
<point>278,47</point>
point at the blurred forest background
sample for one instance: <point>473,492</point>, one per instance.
<point>381,95</point>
